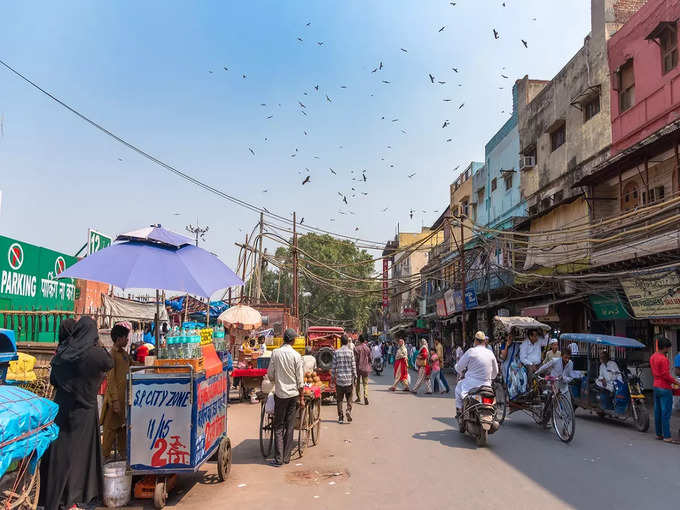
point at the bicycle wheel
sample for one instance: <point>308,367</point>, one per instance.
<point>302,431</point>
<point>315,421</point>
<point>501,403</point>
<point>563,417</point>
<point>266,432</point>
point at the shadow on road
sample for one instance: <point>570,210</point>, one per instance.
<point>247,452</point>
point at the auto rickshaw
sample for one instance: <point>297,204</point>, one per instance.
<point>627,402</point>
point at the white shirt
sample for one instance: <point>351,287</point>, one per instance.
<point>308,363</point>
<point>530,354</point>
<point>574,348</point>
<point>376,352</point>
<point>285,369</point>
<point>557,369</point>
<point>263,349</point>
<point>610,373</point>
<point>459,353</point>
<point>481,367</point>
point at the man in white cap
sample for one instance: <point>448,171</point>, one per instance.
<point>479,364</point>
<point>553,351</point>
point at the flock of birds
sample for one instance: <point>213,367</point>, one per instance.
<point>360,177</point>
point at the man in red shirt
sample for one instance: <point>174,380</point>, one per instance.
<point>663,390</point>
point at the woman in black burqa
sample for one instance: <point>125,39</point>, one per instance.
<point>71,469</point>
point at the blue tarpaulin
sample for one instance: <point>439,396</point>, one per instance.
<point>26,426</point>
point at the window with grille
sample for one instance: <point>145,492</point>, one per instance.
<point>591,108</point>
<point>626,86</point>
<point>668,42</point>
<point>508,181</point>
<point>558,137</point>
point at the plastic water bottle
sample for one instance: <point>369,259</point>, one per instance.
<point>170,349</point>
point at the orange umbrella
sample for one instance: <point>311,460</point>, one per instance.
<point>241,317</point>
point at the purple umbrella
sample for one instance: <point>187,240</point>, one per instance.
<point>155,258</point>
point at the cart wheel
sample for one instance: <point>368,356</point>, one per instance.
<point>563,418</point>
<point>315,421</point>
<point>160,493</point>
<point>501,403</point>
<point>266,432</point>
<point>642,422</point>
<point>224,459</point>
<point>303,431</point>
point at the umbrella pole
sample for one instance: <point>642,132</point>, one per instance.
<point>156,319</point>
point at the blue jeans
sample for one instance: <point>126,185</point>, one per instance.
<point>663,405</point>
<point>439,379</point>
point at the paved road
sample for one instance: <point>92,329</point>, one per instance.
<point>403,451</point>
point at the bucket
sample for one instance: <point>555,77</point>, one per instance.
<point>117,484</point>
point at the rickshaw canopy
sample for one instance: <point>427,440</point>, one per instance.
<point>521,323</point>
<point>613,341</point>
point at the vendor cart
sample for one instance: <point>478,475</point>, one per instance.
<point>307,422</point>
<point>177,420</point>
<point>324,340</point>
<point>250,379</point>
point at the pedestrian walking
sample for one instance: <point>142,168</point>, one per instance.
<point>115,401</point>
<point>424,369</point>
<point>441,380</point>
<point>285,371</point>
<point>663,390</point>
<point>401,367</point>
<point>71,469</point>
<point>344,373</point>
<point>435,373</point>
<point>362,357</point>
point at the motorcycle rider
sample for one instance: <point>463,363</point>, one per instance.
<point>480,367</point>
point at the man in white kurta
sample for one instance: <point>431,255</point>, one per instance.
<point>530,349</point>
<point>562,368</point>
<point>609,372</point>
<point>480,367</point>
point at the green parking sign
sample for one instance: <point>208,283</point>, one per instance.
<point>97,241</point>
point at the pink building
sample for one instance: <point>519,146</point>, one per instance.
<point>645,76</point>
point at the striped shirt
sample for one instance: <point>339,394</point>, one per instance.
<point>344,366</point>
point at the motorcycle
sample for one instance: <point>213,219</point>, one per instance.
<point>478,418</point>
<point>378,366</point>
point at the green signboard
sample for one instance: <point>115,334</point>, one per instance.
<point>608,307</point>
<point>28,282</point>
<point>97,241</point>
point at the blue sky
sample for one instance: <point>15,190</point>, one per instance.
<point>142,69</point>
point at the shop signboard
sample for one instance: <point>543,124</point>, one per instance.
<point>441,308</point>
<point>28,277</point>
<point>653,295</point>
<point>470,299</point>
<point>97,241</point>
<point>608,307</point>
<point>450,303</point>
<point>211,418</point>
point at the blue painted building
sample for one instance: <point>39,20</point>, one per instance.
<point>498,201</point>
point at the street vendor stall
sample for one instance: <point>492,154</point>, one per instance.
<point>240,320</point>
<point>176,409</point>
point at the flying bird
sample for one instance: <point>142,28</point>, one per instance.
<point>380,66</point>
<point>411,175</point>
<point>333,171</point>
<point>303,112</point>
<point>251,151</point>
<point>461,105</point>
<point>210,72</point>
<point>431,77</point>
<point>344,199</point>
<point>343,86</point>
<point>270,116</point>
<point>302,220</point>
<point>441,82</point>
<point>300,103</point>
<point>446,123</point>
<point>404,50</point>
<point>316,87</point>
<point>395,120</point>
<point>307,179</point>
<point>504,76</point>
<point>442,28</point>
<point>308,23</point>
<point>120,159</point>
<point>449,139</point>
<point>447,100</point>
<point>364,176</point>
<point>385,81</point>
<point>374,70</point>
<point>226,68</point>
<point>385,209</point>
<point>455,69</point>
<point>526,44</point>
<point>265,190</point>
<point>410,213</point>
<point>356,229</point>
<point>495,34</point>
<point>244,76</point>
<point>328,99</point>
<point>320,43</point>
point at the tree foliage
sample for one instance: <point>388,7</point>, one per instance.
<point>324,294</point>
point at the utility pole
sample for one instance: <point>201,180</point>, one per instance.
<point>243,278</point>
<point>199,232</point>
<point>258,268</point>
<point>462,276</point>
<point>295,268</point>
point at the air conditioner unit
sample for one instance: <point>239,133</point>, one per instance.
<point>526,162</point>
